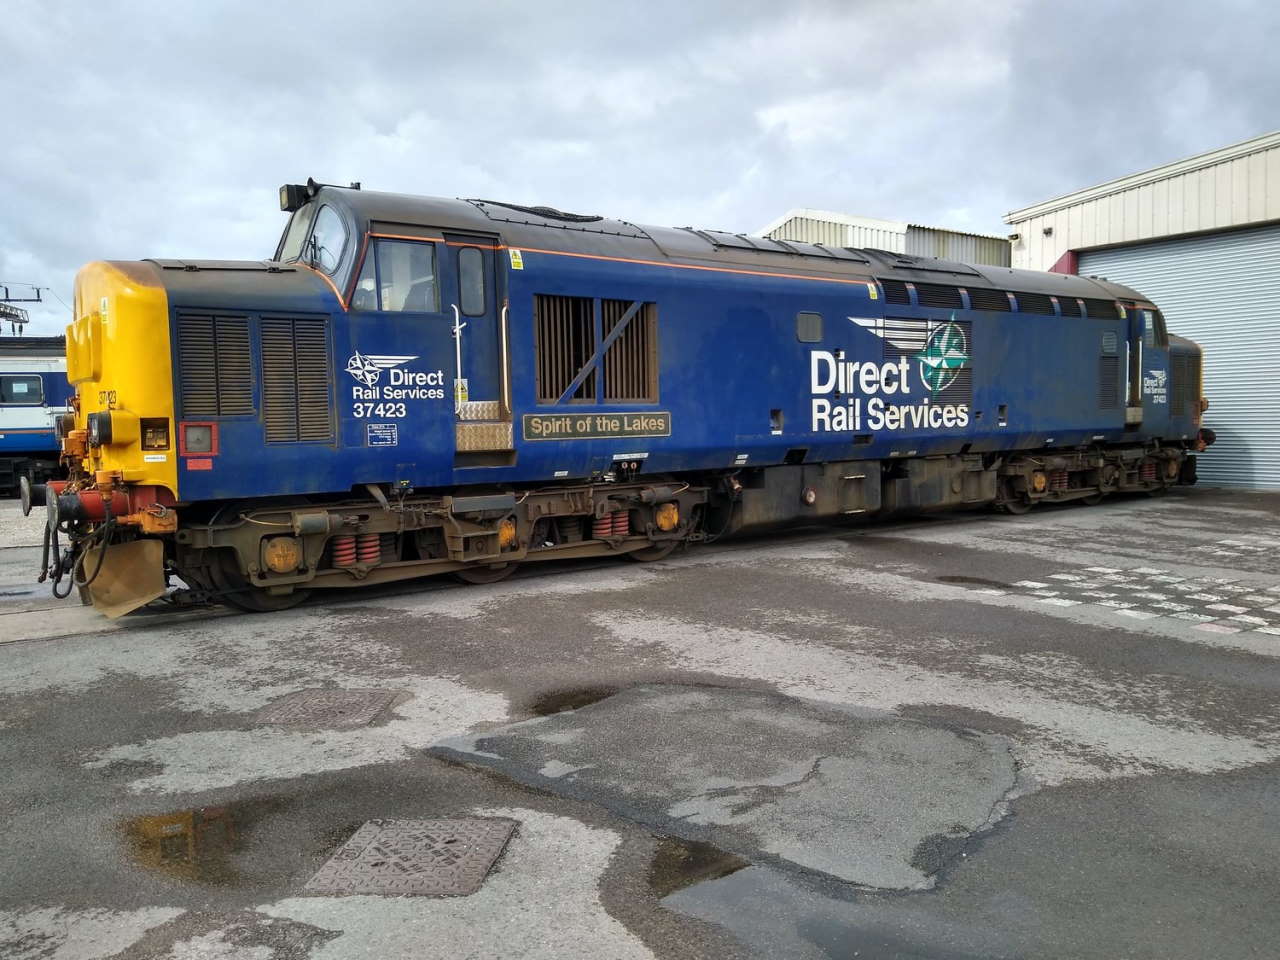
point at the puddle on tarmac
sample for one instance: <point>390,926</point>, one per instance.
<point>559,701</point>
<point>678,864</point>
<point>973,581</point>
<point>214,845</point>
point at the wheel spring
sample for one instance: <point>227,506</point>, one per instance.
<point>369,548</point>
<point>1058,479</point>
<point>616,524</point>
<point>1148,471</point>
<point>344,550</point>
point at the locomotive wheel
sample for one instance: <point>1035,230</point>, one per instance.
<point>1092,500</point>
<point>656,552</point>
<point>491,573</point>
<point>1157,491</point>
<point>237,591</point>
<point>1013,502</point>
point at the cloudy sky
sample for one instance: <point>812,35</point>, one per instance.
<point>164,129</point>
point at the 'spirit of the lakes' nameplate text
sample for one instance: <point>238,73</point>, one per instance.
<point>595,426</point>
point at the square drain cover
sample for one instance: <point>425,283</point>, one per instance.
<point>415,857</point>
<point>327,708</point>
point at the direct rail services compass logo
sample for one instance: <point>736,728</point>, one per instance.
<point>945,354</point>
<point>367,368</point>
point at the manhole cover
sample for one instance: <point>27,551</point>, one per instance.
<point>415,857</point>
<point>327,708</point>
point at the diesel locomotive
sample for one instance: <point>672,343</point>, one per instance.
<point>415,385</point>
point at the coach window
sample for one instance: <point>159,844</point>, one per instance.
<point>398,276</point>
<point>21,390</point>
<point>809,327</point>
<point>328,240</point>
<point>471,281</point>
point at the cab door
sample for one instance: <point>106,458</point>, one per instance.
<point>473,302</point>
<point>1154,370</point>
<point>482,402</point>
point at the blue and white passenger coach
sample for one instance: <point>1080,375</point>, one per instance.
<point>33,392</point>
<point>415,385</point>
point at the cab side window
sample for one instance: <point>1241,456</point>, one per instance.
<point>328,241</point>
<point>1153,330</point>
<point>398,276</point>
<point>23,390</point>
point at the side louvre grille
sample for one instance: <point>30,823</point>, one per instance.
<point>564,328</point>
<point>938,295</point>
<point>895,291</point>
<point>215,368</point>
<point>983,299</point>
<point>1101,309</point>
<point>1034,303</point>
<point>1184,390</point>
<point>1109,372</point>
<point>631,365</point>
<point>295,380</point>
<point>1109,382</point>
<point>1070,307</point>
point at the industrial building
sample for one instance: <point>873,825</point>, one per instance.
<point>843,230</point>
<point>1201,238</point>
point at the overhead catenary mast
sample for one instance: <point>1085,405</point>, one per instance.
<point>16,317</point>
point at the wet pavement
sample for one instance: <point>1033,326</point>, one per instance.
<point>961,736</point>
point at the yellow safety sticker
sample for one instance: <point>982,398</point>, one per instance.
<point>872,291</point>
<point>517,259</point>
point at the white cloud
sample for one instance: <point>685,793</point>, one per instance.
<point>165,131</point>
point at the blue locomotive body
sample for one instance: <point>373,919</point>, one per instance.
<point>735,379</point>
<point>415,385</point>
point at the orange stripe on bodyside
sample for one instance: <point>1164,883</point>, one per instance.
<point>695,266</point>
<point>647,263</point>
<point>323,276</point>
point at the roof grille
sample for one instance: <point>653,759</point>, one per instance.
<point>215,368</point>
<point>895,291</point>
<point>938,295</point>
<point>296,405</point>
<point>981,298</point>
<point>1034,303</point>
<point>1101,309</point>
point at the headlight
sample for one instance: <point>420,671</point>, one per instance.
<point>99,428</point>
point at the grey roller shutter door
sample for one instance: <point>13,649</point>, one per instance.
<point>1221,290</point>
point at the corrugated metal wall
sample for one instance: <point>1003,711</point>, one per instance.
<point>952,245</point>
<point>833,234</point>
<point>1223,291</point>
<point>915,240</point>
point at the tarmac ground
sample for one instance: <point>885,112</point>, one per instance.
<point>962,735</point>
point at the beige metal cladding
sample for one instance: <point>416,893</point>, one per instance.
<point>845,230</point>
<point>953,245</point>
<point>1231,187</point>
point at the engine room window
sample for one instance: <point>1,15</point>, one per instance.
<point>809,327</point>
<point>399,276</point>
<point>21,390</point>
<point>471,281</point>
<point>328,241</point>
